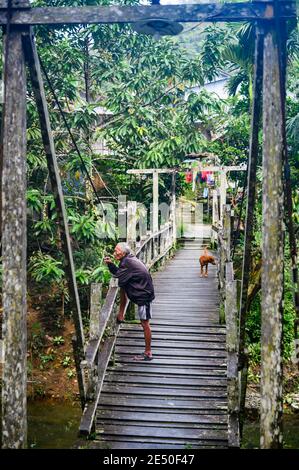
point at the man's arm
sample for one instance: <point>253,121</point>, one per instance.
<point>122,273</point>
<point>112,268</point>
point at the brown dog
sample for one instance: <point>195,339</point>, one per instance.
<point>204,260</point>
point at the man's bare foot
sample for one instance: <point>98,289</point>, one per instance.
<point>144,357</point>
<point>120,319</point>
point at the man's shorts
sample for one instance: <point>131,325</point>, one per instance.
<point>145,311</point>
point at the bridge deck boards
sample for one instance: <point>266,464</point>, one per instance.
<point>179,399</point>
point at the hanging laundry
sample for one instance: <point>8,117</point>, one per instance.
<point>198,177</point>
<point>205,193</point>
<point>210,178</point>
<point>204,175</point>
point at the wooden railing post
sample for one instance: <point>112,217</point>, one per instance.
<point>95,310</point>
<point>215,219</point>
<point>232,339</point>
<point>227,231</point>
<point>131,224</point>
<point>173,209</point>
<point>155,201</point>
<point>90,369</point>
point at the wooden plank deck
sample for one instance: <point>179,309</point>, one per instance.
<point>177,401</point>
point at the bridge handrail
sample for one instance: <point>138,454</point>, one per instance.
<point>98,350</point>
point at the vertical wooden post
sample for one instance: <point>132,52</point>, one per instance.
<point>173,208</point>
<point>14,243</point>
<point>227,231</point>
<point>91,370</point>
<point>47,137</point>
<point>232,356</point>
<point>95,310</point>
<point>223,184</point>
<point>131,224</point>
<point>251,183</point>
<point>155,202</point>
<point>273,259</point>
<point>214,215</point>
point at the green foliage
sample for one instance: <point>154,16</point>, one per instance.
<point>58,340</point>
<point>67,361</point>
<point>44,268</point>
<point>46,358</point>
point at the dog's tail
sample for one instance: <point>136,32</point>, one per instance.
<point>205,250</point>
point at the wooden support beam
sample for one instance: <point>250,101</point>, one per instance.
<point>272,249</point>
<point>222,169</point>
<point>210,12</point>
<point>251,192</point>
<point>14,244</point>
<point>47,137</point>
<point>150,171</point>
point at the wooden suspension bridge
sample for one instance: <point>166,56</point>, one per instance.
<point>92,355</point>
<point>179,400</point>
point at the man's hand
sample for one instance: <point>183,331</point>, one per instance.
<point>107,260</point>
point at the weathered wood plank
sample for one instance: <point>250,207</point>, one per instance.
<point>174,352</point>
<point>139,444</point>
<point>169,370</point>
<point>161,381</point>
<point>172,344</point>
<point>152,431</point>
<point>132,14</point>
<point>165,402</point>
<point>150,390</point>
<point>14,243</point>
<point>197,362</point>
<point>142,416</point>
<point>173,423</point>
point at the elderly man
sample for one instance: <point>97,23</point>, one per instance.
<point>136,283</point>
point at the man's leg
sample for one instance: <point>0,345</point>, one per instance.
<point>147,337</point>
<point>122,305</point>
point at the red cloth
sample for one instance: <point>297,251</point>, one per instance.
<point>204,175</point>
